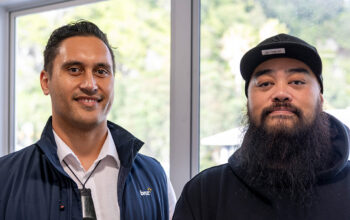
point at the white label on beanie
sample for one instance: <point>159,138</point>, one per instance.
<point>273,51</point>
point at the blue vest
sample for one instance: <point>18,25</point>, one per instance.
<point>33,184</point>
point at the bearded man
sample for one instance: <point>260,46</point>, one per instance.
<point>293,161</point>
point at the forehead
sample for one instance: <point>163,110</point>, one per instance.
<point>281,64</point>
<point>88,48</point>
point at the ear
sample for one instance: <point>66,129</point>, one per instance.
<point>44,82</point>
<point>321,98</point>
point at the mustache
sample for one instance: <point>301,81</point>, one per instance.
<point>277,106</point>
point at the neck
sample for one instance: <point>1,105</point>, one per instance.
<point>86,144</point>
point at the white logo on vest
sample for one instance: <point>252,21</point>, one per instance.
<point>146,193</point>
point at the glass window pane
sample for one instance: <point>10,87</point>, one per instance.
<point>140,33</point>
<point>230,28</point>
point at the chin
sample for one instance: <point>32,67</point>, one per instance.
<point>89,122</point>
<point>280,124</point>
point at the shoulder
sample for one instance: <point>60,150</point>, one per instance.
<point>148,164</point>
<point>18,158</point>
<point>210,177</point>
<point>209,184</point>
<point>201,194</point>
<point>212,183</point>
<point>147,159</point>
<point>18,165</point>
<point>346,168</point>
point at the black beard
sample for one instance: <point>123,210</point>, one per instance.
<point>285,161</point>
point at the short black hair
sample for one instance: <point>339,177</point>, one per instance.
<point>78,28</point>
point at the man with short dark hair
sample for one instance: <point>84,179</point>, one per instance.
<point>293,161</point>
<point>83,166</point>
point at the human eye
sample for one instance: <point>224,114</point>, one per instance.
<point>264,84</point>
<point>74,70</point>
<point>297,82</point>
<point>102,72</point>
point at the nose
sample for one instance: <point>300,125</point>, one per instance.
<point>88,84</point>
<point>281,94</point>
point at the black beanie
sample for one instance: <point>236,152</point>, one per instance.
<point>281,45</point>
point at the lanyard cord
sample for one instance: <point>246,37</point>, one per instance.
<point>76,175</point>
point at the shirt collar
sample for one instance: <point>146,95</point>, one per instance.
<point>108,149</point>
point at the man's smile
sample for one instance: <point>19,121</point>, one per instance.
<point>88,101</point>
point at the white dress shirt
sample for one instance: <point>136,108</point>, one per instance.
<point>103,181</point>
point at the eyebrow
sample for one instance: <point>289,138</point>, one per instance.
<point>298,70</point>
<point>71,63</point>
<point>261,72</point>
<point>104,65</point>
<point>289,71</point>
<point>78,63</point>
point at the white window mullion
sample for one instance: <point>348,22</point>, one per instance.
<point>184,106</point>
<point>4,81</point>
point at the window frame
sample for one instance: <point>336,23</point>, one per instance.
<point>4,80</point>
<point>184,100</point>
